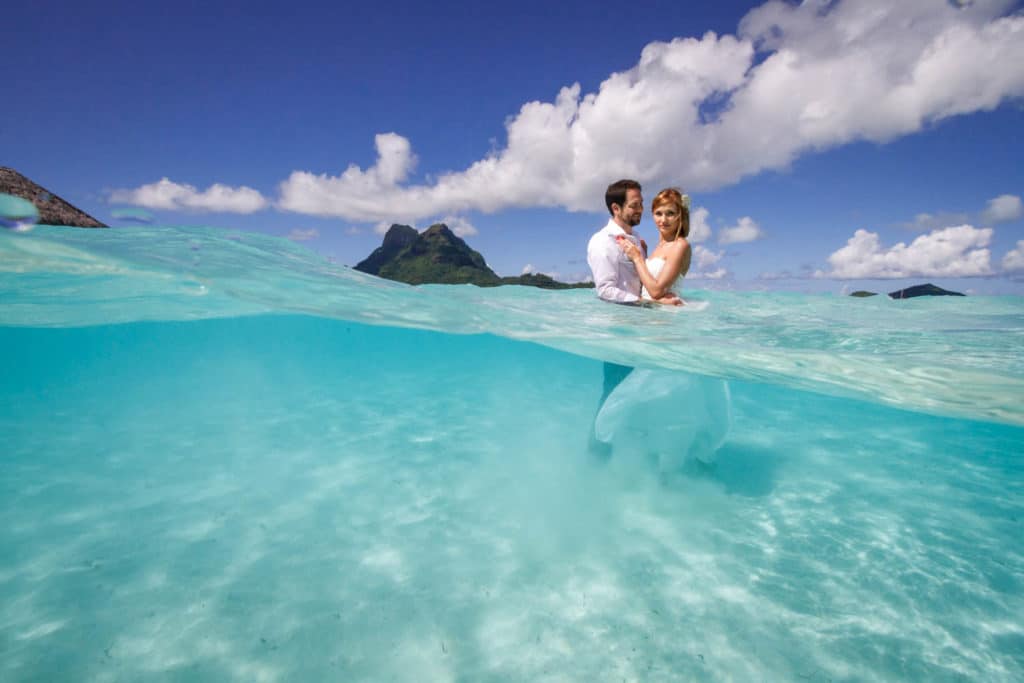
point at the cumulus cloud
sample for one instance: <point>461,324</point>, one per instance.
<point>169,195</point>
<point>1014,259</point>
<point>703,260</point>
<point>706,112</point>
<point>705,257</point>
<point>370,195</point>
<point>1005,207</point>
<point>300,235</point>
<point>716,274</point>
<point>700,231</point>
<point>745,230</point>
<point>460,226</point>
<point>960,251</point>
<point>528,269</point>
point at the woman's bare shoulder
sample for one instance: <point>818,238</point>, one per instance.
<point>677,246</point>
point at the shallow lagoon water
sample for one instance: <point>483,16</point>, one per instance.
<point>227,459</point>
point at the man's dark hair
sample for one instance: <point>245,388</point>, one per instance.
<point>616,193</point>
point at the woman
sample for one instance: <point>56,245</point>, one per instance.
<point>671,258</point>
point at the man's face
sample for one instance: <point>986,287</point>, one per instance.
<point>633,211</point>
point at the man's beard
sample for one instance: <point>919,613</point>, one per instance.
<point>634,221</point>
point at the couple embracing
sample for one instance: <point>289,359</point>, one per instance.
<point>622,270</point>
<point>631,413</point>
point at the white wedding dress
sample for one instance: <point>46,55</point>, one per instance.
<point>654,266</point>
<point>672,415</point>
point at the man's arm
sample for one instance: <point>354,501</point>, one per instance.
<point>602,257</point>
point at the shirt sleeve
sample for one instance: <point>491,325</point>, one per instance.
<point>602,257</point>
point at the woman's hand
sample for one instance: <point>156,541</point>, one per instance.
<point>631,251</point>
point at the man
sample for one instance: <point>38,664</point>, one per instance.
<point>615,277</point>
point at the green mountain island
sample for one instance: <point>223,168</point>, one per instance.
<point>910,292</point>
<point>439,256</point>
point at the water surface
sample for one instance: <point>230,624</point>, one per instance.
<point>225,458</point>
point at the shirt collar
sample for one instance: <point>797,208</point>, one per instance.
<point>614,227</point>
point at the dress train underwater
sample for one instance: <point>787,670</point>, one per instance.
<point>675,416</point>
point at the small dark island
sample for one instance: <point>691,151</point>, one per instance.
<point>52,209</point>
<point>910,292</point>
<point>922,290</point>
<point>439,256</point>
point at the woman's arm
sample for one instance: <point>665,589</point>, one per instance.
<point>677,263</point>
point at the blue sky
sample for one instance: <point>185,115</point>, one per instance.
<point>827,146</point>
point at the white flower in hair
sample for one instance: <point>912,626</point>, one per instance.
<point>686,201</point>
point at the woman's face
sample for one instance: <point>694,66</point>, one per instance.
<point>667,217</point>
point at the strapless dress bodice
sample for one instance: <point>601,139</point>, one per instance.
<point>654,266</point>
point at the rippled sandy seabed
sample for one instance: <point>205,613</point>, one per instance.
<point>235,462</point>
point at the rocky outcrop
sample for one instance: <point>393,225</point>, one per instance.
<point>52,209</point>
<point>397,238</point>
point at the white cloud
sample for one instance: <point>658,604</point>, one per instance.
<point>168,195</point>
<point>528,269</point>
<point>370,195</point>
<point>706,257</point>
<point>300,235</point>
<point>1005,207</point>
<point>700,231</point>
<point>1014,259</point>
<point>951,252</point>
<point>459,225</point>
<point>703,259</point>
<point>716,274</point>
<point>706,112</point>
<point>745,230</point>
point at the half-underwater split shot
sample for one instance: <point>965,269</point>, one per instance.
<point>698,357</point>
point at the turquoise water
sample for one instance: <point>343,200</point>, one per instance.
<point>227,459</point>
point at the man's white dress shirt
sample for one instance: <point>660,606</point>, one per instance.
<point>615,277</point>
